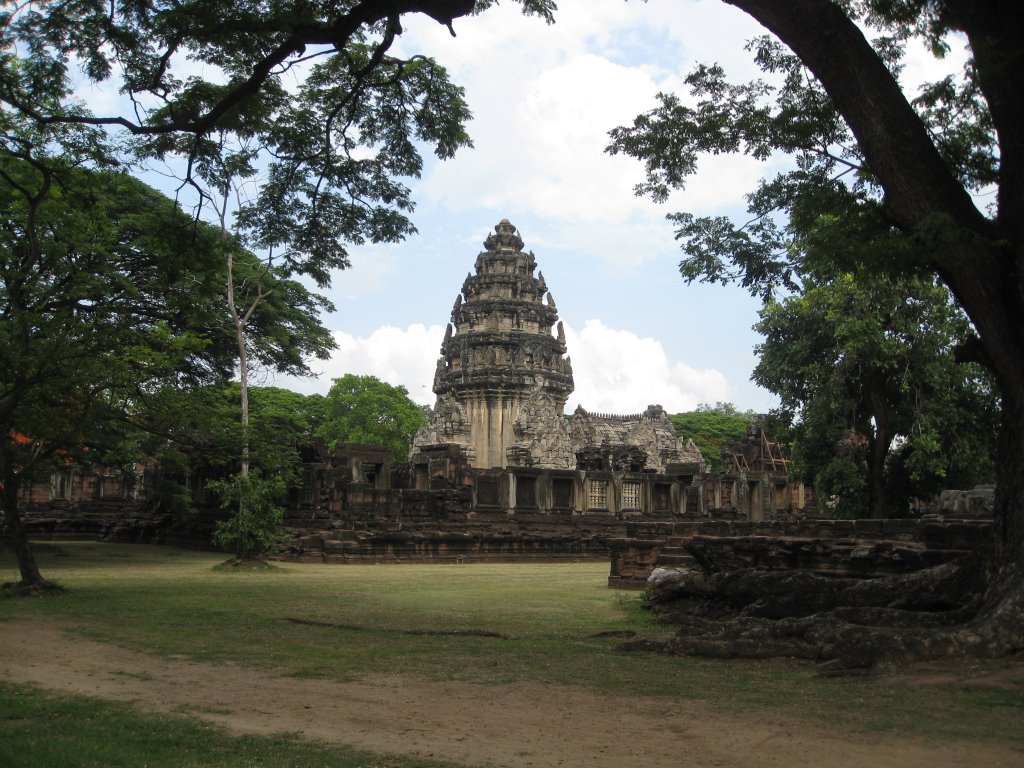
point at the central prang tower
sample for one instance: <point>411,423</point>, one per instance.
<point>502,381</point>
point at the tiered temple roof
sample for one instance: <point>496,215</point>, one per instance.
<point>500,337</point>
<point>503,378</point>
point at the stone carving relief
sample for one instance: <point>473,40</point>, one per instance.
<point>448,423</point>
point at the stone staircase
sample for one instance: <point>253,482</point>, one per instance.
<point>675,555</point>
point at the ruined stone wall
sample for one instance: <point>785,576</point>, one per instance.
<point>500,514</point>
<point>74,484</point>
<point>651,431</point>
<point>109,520</point>
<point>840,548</point>
<point>350,510</point>
<point>447,536</point>
<point>357,488</point>
<point>455,512</point>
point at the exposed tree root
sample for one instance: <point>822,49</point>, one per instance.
<point>846,626</point>
<point>42,588</point>
<point>245,564</point>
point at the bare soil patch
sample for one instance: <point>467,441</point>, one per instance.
<point>475,725</point>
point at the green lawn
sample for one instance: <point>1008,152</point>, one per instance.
<point>346,622</point>
<point>38,730</point>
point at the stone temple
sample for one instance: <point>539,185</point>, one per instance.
<point>503,379</point>
<point>500,474</point>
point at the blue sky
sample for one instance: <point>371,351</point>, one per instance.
<point>544,98</point>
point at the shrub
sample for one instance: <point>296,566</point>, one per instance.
<point>256,523</point>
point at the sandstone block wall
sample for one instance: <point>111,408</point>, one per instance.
<point>841,548</point>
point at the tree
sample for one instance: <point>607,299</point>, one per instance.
<point>866,366</point>
<point>912,163</point>
<point>196,432</point>
<point>109,293</point>
<point>193,435</point>
<point>364,409</point>
<point>102,295</point>
<point>712,426</point>
<point>332,148</point>
<point>256,523</point>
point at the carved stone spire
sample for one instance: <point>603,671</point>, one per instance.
<point>504,238</point>
<point>501,354</point>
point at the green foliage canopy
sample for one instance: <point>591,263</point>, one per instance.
<point>256,523</point>
<point>851,348</point>
<point>110,294</point>
<point>882,408</point>
<point>364,409</point>
<point>711,427</point>
<point>830,188</point>
<point>106,290</point>
<point>197,430</point>
<point>211,88</point>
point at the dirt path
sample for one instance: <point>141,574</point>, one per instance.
<point>476,725</point>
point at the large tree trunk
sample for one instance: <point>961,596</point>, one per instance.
<point>1009,517</point>
<point>995,303</point>
<point>977,605</point>
<point>32,581</point>
<point>1002,615</point>
<point>878,452</point>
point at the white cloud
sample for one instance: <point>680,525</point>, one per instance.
<point>545,98</point>
<point>614,370</point>
<point>399,356</point>
<point>546,158</point>
<point>617,371</point>
<point>540,144</point>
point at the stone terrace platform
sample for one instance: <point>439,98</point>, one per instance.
<point>842,548</point>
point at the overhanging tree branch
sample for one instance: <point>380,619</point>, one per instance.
<point>916,180</point>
